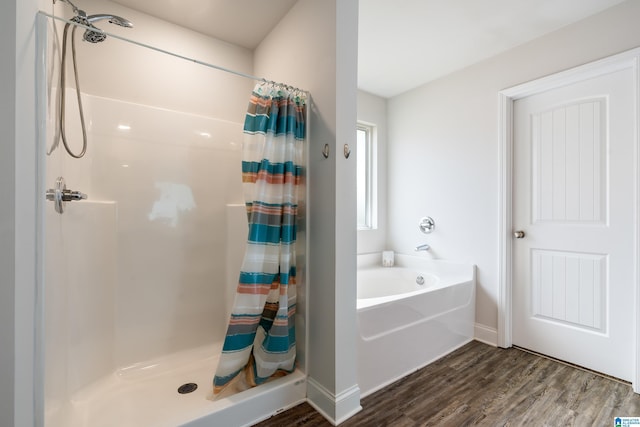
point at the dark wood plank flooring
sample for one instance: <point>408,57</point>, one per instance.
<point>480,385</point>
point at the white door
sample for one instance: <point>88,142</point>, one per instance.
<point>574,199</point>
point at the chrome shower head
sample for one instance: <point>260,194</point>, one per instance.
<point>94,36</point>
<point>118,20</point>
<point>97,36</point>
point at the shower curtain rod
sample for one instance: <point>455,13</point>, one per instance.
<point>177,55</point>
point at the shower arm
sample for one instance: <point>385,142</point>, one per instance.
<point>75,8</point>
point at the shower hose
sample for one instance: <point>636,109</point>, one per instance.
<point>62,93</point>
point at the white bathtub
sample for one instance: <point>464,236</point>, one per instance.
<point>403,326</point>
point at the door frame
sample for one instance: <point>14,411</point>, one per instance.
<point>626,60</point>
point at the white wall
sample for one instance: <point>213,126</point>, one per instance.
<point>372,109</point>
<point>314,47</point>
<point>448,168</point>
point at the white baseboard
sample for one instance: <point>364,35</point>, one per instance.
<point>486,334</point>
<point>335,408</point>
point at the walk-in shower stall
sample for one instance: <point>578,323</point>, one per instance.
<point>143,237</point>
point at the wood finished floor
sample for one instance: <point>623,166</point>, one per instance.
<point>480,385</point>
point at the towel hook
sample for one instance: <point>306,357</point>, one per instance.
<point>325,151</point>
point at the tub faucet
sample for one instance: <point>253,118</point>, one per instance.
<point>423,247</point>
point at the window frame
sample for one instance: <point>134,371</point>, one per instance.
<point>370,175</point>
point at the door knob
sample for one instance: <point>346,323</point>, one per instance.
<point>518,234</point>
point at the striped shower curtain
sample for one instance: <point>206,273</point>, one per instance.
<point>260,337</point>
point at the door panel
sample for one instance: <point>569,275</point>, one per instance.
<point>556,276</point>
<point>569,168</point>
<point>574,198</point>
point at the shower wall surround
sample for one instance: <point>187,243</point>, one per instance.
<point>147,266</point>
<point>167,178</point>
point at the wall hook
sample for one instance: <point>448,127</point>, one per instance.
<point>325,151</point>
<point>347,151</point>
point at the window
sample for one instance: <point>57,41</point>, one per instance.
<point>366,175</point>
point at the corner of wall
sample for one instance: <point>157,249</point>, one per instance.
<point>335,408</point>
<point>485,334</point>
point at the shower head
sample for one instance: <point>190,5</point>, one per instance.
<point>96,36</point>
<point>118,20</point>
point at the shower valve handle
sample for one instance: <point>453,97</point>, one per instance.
<point>71,195</point>
<point>60,194</point>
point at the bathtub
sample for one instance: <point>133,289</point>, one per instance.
<point>410,315</point>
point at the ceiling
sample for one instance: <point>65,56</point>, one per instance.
<point>406,43</point>
<point>402,43</point>
<point>221,19</point>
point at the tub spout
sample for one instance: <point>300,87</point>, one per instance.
<point>423,247</point>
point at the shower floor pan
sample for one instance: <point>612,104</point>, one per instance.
<point>147,395</point>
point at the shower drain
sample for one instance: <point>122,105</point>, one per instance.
<point>187,388</point>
